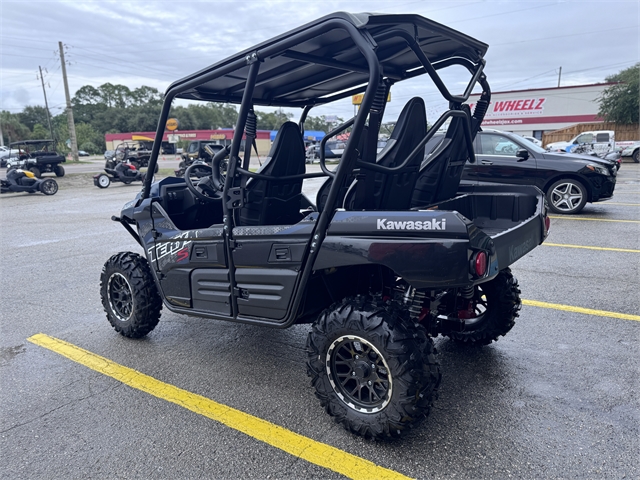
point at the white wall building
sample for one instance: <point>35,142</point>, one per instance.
<point>534,111</point>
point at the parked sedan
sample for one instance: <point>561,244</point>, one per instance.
<point>568,180</point>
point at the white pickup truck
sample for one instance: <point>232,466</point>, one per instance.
<point>632,150</point>
<point>599,142</point>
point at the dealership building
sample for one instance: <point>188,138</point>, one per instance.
<point>220,136</point>
<point>536,111</point>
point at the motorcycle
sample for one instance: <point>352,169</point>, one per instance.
<point>19,180</point>
<point>122,172</point>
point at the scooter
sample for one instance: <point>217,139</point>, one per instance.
<point>19,180</point>
<point>122,172</point>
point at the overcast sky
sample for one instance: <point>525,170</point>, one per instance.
<point>155,43</point>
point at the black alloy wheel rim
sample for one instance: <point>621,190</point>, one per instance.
<point>49,187</point>
<point>359,374</point>
<point>120,297</point>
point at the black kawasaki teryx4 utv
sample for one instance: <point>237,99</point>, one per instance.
<point>391,253</point>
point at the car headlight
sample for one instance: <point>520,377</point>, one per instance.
<point>598,169</point>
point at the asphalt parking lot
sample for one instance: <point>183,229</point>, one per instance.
<point>556,398</point>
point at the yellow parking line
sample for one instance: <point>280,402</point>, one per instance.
<point>563,217</point>
<point>297,445</point>
<point>586,311</point>
<point>630,250</point>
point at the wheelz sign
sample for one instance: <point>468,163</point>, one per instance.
<point>515,108</point>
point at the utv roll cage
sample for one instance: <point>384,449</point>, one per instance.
<point>329,59</point>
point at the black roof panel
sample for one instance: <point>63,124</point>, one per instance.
<point>299,71</point>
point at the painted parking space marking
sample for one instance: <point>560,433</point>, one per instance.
<point>312,451</point>
<point>586,311</point>
<point>588,247</point>
<point>561,217</point>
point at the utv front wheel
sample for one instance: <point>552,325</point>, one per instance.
<point>492,311</point>
<point>58,170</point>
<point>373,369</point>
<point>129,295</point>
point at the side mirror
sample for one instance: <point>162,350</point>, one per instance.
<point>522,154</point>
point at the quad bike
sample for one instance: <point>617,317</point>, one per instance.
<point>19,180</point>
<point>122,172</point>
<point>392,252</point>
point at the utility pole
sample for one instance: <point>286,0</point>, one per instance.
<point>1,136</point>
<point>559,76</point>
<point>72,126</point>
<point>46,104</point>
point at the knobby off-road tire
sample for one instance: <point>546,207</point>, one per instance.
<point>129,295</point>
<point>373,369</point>
<point>36,172</point>
<point>496,306</point>
<point>58,170</point>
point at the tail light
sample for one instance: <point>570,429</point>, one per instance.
<point>547,225</point>
<point>480,264</point>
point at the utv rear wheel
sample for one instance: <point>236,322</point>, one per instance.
<point>36,172</point>
<point>492,312</point>
<point>373,369</point>
<point>129,295</point>
<point>58,170</point>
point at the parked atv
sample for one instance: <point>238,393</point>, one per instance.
<point>19,180</point>
<point>122,172</point>
<point>37,156</point>
<point>392,252</point>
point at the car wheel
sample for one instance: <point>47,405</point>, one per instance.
<point>636,156</point>
<point>373,369</point>
<point>58,170</point>
<point>567,196</point>
<point>103,181</point>
<point>49,186</point>
<point>129,295</point>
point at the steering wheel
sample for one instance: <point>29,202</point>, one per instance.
<point>205,189</point>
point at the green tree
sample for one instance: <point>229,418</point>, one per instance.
<point>31,115</point>
<point>12,129</point>
<point>620,102</point>
<point>272,120</point>
<point>40,132</point>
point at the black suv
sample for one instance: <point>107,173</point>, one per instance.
<point>568,180</point>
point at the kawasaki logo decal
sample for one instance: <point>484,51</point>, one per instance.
<point>433,224</point>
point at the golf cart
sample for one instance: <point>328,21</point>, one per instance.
<point>391,253</point>
<point>37,156</point>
